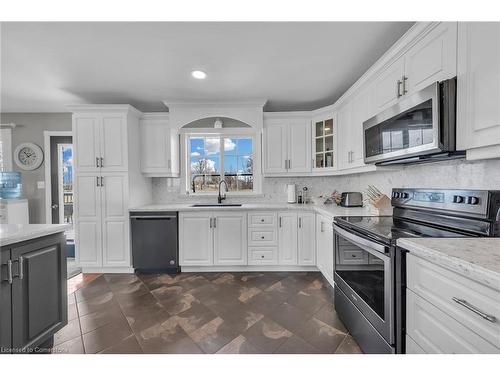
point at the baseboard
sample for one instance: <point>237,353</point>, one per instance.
<point>276,268</point>
<point>107,270</point>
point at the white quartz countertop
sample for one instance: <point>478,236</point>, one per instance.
<point>13,233</point>
<point>331,210</point>
<point>475,258</point>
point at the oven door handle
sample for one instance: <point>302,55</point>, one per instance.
<point>357,240</point>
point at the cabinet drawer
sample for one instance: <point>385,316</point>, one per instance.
<point>263,255</point>
<point>436,332</point>
<point>262,237</point>
<point>262,218</point>
<point>440,286</point>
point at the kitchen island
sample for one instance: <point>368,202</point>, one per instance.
<point>33,293</point>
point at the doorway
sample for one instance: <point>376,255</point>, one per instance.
<point>59,190</point>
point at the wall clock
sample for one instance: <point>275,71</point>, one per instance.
<point>28,156</point>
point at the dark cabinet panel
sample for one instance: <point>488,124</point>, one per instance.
<point>39,291</point>
<point>5,301</point>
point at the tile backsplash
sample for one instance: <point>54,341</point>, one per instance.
<point>484,174</point>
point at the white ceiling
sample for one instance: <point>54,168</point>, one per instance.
<point>295,66</point>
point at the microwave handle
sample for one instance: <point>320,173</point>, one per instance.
<point>360,241</point>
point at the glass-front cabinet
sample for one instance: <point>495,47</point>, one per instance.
<point>324,143</point>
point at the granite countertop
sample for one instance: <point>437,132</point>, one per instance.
<point>13,233</point>
<point>474,258</point>
<point>331,210</point>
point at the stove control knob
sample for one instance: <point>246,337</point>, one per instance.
<point>472,200</point>
<point>458,199</point>
<point>395,194</point>
<point>405,195</point>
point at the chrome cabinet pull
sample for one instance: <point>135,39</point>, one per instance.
<point>102,181</point>
<point>169,164</point>
<point>210,222</point>
<point>467,305</point>
<point>300,222</point>
<point>96,180</point>
<point>398,89</point>
<point>97,162</point>
<point>321,227</point>
<point>289,163</point>
<point>405,91</point>
<point>280,221</point>
<point>215,222</point>
<point>21,268</point>
<point>102,162</point>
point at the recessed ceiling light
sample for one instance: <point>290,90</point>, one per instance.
<point>198,74</point>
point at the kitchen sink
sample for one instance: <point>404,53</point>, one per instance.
<point>217,205</point>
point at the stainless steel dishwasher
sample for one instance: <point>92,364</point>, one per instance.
<point>155,241</point>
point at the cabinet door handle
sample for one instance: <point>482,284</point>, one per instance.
<point>9,271</point>
<point>169,164</point>
<point>210,222</point>
<point>215,222</point>
<point>280,222</point>
<point>321,227</point>
<point>467,305</point>
<point>289,163</point>
<point>404,85</point>
<point>102,162</point>
<point>97,181</point>
<point>97,162</point>
<point>300,222</point>
<point>398,89</point>
<point>21,268</point>
<point>102,181</point>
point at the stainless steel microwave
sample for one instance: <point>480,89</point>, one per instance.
<point>418,128</point>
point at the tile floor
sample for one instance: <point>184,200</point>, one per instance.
<point>269,312</point>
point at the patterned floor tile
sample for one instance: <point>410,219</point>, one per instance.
<point>220,312</point>
<point>267,335</point>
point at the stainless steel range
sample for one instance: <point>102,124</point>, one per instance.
<point>370,271</point>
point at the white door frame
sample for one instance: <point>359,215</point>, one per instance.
<point>48,186</point>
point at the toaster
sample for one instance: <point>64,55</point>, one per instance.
<point>351,199</point>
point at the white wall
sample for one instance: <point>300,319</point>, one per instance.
<point>451,174</point>
<point>30,128</point>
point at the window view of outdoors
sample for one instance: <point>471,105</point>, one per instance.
<point>213,158</point>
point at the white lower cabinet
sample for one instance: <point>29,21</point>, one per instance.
<point>324,247</point>
<point>306,244</point>
<point>196,239</point>
<point>446,311</point>
<point>230,238</point>
<point>287,238</point>
<point>212,238</point>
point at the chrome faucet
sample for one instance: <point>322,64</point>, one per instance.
<point>220,198</point>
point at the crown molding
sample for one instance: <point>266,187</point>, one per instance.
<point>125,108</point>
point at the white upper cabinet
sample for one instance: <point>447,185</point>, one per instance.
<point>86,130</point>
<point>159,146</point>
<point>299,146</point>
<point>114,151</point>
<point>100,142</point>
<point>324,142</point>
<point>432,58</point>
<point>387,88</point>
<point>275,147</point>
<point>478,104</point>
<point>287,144</point>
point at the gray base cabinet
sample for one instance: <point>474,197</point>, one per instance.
<point>33,293</point>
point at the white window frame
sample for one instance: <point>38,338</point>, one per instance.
<point>186,133</point>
